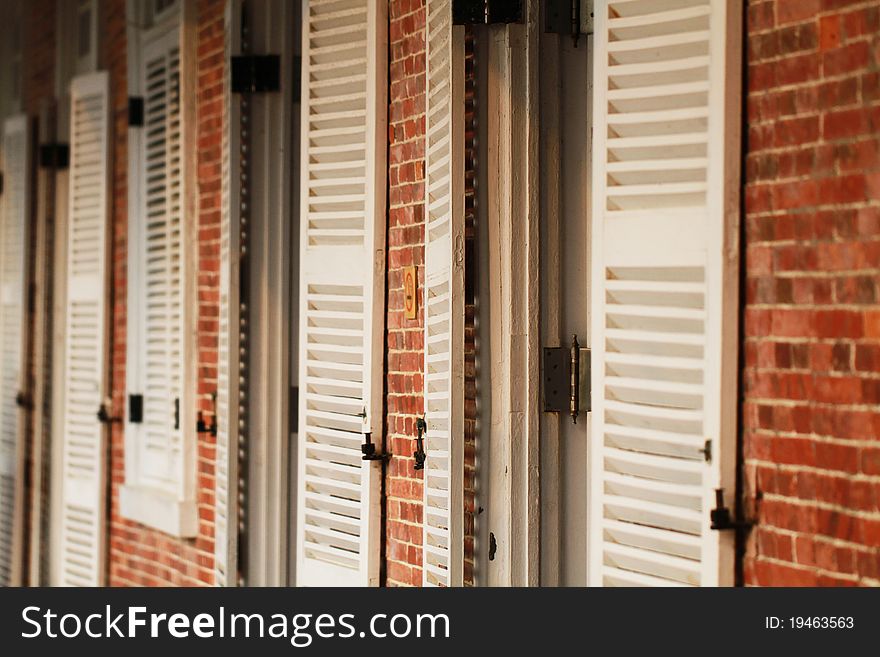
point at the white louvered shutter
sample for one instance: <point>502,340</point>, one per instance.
<point>160,451</point>
<point>13,246</point>
<point>341,299</point>
<point>226,504</point>
<point>444,300</point>
<point>665,165</point>
<point>83,471</point>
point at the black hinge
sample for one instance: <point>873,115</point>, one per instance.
<point>55,156</point>
<point>486,12</point>
<point>297,79</point>
<point>136,409</point>
<point>255,73</point>
<point>135,111</point>
<point>294,409</point>
<point>1,182</point>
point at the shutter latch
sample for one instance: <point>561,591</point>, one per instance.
<point>368,449</point>
<point>104,416</point>
<point>204,427</point>
<point>419,455</point>
<point>721,516</point>
<point>567,380</point>
<point>23,400</point>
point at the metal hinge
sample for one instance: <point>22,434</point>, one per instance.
<point>55,156</point>
<point>569,17</point>
<point>1,182</point>
<point>255,73</point>
<point>567,380</point>
<point>486,12</point>
<point>294,409</point>
<point>297,79</point>
<point>135,111</point>
<point>135,409</point>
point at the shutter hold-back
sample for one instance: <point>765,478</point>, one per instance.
<point>419,455</point>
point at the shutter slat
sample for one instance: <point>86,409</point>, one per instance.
<point>226,418</point>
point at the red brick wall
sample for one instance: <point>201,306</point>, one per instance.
<point>405,338</point>
<point>812,324</point>
<point>141,556</point>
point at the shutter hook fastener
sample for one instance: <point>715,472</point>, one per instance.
<point>368,449</point>
<point>419,455</point>
<point>721,516</point>
<point>104,416</point>
<point>204,427</point>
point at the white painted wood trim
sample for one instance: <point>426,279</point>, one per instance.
<point>726,105</point>
<point>552,302</point>
<point>514,496</point>
<point>160,510</point>
<point>271,223</point>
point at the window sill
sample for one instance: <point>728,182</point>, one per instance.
<point>159,510</point>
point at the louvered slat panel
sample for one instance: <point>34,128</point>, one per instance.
<point>160,447</point>
<point>82,510</point>
<point>13,246</point>
<point>341,291</point>
<point>444,310</point>
<point>658,217</point>
<point>225,507</point>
